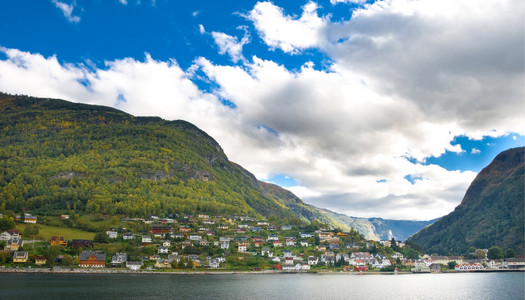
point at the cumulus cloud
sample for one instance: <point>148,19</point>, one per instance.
<point>452,59</point>
<point>286,32</point>
<point>230,44</point>
<point>348,1</point>
<point>123,2</point>
<point>67,10</point>
<point>475,151</point>
<point>336,137</point>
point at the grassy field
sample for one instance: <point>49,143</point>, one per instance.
<point>46,232</point>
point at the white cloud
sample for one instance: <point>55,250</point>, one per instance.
<point>337,138</point>
<point>201,29</point>
<point>285,32</point>
<point>230,44</point>
<point>67,10</point>
<point>124,2</point>
<point>347,1</point>
<point>453,59</point>
<point>475,151</point>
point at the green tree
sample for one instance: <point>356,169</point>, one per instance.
<point>6,223</point>
<point>51,254</point>
<point>452,264</point>
<point>181,263</point>
<point>510,253</point>
<point>31,230</point>
<point>174,264</point>
<point>480,254</point>
<point>4,257</point>
<point>495,252</point>
<point>393,244</point>
<point>67,260</point>
<point>101,237</point>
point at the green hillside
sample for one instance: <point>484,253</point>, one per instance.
<point>491,213</point>
<point>59,156</point>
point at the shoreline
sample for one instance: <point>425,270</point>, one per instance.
<point>220,272</point>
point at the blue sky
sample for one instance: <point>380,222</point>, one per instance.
<point>370,108</point>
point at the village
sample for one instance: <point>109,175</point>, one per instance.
<point>234,243</point>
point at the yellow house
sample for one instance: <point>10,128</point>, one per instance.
<point>57,241</point>
<point>20,256</point>
<point>163,263</point>
<point>40,260</point>
<point>13,244</point>
<point>30,219</point>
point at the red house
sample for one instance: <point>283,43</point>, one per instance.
<point>161,229</point>
<point>89,259</point>
<point>360,268</point>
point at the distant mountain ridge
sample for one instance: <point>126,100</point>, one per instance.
<point>57,156</point>
<point>491,213</point>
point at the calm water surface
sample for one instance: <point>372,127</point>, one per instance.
<point>263,286</point>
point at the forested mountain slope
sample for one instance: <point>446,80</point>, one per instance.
<point>491,213</point>
<point>57,156</point>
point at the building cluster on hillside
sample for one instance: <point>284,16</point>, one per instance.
<point>286,247</point>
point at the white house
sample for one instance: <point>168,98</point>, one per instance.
<point>242,248</point>
<point>119,258</point>
<point>290,243</point>
<point>112,234</point>
<point>469,267</point>
<point>163,250</point>
<point>288,261</point>
<point>195,237</point>
<point>214,264</point>
<point>146,239</point>
<point>273,237</point>
<point>313,260</point>
<point>225,238</point>
<point>288,268</point>
<point>5,236</point>
<point>287,253</point>
<point>133,265</point>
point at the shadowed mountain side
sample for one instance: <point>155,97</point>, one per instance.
<point>491,213</point>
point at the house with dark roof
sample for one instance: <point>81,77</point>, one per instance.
<point>92,259</point>
<point>20,256</point>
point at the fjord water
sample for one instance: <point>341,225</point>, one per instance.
<point>263,286</point>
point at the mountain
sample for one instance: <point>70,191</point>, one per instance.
<point>379,229</point>
<point>372,228</point>
<point>57,156</point>
<point>490,214</point>
<point>398,229</point>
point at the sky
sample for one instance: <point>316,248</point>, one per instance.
<point>369,108</point>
